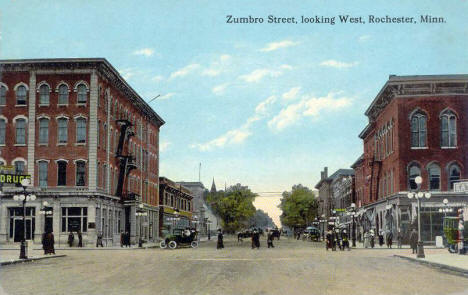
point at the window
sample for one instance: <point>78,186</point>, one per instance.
<point>82,93</point>
<point>75,219</point>
<point>2,95</point>
<point>434,177</point>
<point>44,94</point>
<point>43,131</point>
<point>97,175</point>
<point>2,131</point>
<point>80,130</point>
<point>62,130</point>
<point>21,131</point>
<point>61,173</point>
<point>454,175</point>
<point>98,133</point>
<point>21,95</point>
<point>414,171</point>
<point>19,167</point>
<point>43,173</point>
<point>448,129</point>
<point>63,94</point>
<point>418,130</point>
<point>104,140</point>
<point>80,173</point>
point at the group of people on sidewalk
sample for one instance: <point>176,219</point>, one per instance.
<point>71,238</point>
<point>335,238</point>
<point>48,242</point>
<point>255,239</point>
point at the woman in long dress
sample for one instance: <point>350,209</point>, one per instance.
<point>220,244</point>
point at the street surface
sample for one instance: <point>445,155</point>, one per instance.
<point>293,267</point>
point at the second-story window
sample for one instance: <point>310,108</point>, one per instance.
<point>43,131</point>
<point>43,173</point>
<point>21,131</point>
<point>63,94</point>
<point>62,130</point>
<point>418,130</point>
<point>21,95</point>
<point>80,130</point>
<point>19,167</point>
<point>2,95</point>
<point>413,172</point>
<point>61,173</point>
<point>2,131</point>
<point>448,129</point>
<point>434,176</point>
<point>44,94</point>
<point>80,173</point>
<point>82,93</point>
<point>454,175</point>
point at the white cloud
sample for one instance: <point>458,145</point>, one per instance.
<point>364,37</point>
<point>338,64</point>
<point>166,96</point>
<point>218,66</point>
<point>164,145</point>
<point>291,94</point>
<point>157,78</point>
<point>307,106</point>
<point>262,107</point>
<point>219,89</point>
<point>184,71</point>
<point>286,67</point>
<point>277,45</point>
<point>258,75</point>
<point>127,73</point>
<point>144,51</point>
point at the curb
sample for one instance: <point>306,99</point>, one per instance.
<point>450,269</point>
<point>30,259</point>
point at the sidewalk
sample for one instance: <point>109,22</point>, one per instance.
<point>442,259</point>
<point>9,257</point>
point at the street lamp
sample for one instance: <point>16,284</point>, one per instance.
<point>353,214</point>
<point>445,209</point>
<point>419,195</point>
<point>208,223</point>
<point>25,196</point>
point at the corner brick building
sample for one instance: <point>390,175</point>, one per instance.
<point>417,127</point>
<point>90,144</point>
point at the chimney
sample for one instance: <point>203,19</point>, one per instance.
<point>321,175</point>
<point>325,172</point>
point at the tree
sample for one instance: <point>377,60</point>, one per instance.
<point>234,206</point>
<point>261,219</point>
<point>299,207</point>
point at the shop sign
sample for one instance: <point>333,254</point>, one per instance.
<point>13,178</point>
<point>460,187</point>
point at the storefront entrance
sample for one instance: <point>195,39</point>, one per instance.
<point>16,232</point>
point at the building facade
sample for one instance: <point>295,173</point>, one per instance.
<point>176,205</point>
<point>89,143</point>
<point>417,127</point>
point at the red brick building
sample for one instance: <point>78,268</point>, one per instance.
<point>417,127</point>
<point>90,144</point>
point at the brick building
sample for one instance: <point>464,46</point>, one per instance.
<point>90,144</point>
<point>417,127</point>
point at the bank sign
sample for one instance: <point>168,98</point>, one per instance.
<point>13,178</point>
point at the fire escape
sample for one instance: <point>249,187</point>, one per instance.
<point>126,162</point>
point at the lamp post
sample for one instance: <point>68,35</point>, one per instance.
<point>208,223</point>
<point>25,196</point>
<point>353,214</point>
<point>46,211</point>
<point>446,208</point>
<point>419,195</point>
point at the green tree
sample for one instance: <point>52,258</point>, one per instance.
<point>234,206</point>
<point>299,207</point>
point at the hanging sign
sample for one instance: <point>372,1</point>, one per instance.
<point>13,178</point>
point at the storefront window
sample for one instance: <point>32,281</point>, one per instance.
<point>74,219</point>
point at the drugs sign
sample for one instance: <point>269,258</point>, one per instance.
<point>13,178</point>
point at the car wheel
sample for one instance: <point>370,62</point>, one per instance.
<point>172,244</point>
<point>163,245</point>
<point>194,244</point>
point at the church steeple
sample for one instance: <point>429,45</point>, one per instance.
<point>213,187</point>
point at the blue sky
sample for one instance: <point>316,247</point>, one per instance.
<point>266,105</point>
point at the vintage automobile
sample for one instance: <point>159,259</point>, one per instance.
<point>311,233</point>
<point>452,236</point>
<point>179,238</point>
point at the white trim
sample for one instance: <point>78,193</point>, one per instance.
<point>446,111</point>
<point>43,83</point>
<point>419,147</point>
<point>42,160</point>
<point>4,85</point>
<point>19,159</point>
<point>449,147</point>
<point>60,160</point>
<point>19,117</point>
<point>3,160</point>
<point>75,88</point>
<point>61,116</point>
<point>80,160</point>
<point>43,116</point>
<point>80,116</point>
<point>60,84</point>
<point>2,117</point>
<point>20,84</point>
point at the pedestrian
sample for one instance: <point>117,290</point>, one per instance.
<point>399,239</point>
<point>381,238</point>
<point>99,240</point>
<point>51,243</point>
<point>337,239</point>
<point>371,238</point>
<point>71,238</point>
<point>80,239</point>
<point>344,237</point>
<point>329,240</point>
<point>389,239</point>
<point>255,239</point>
<point>209,235</point>
<point>270,239</point>
<point>44,243</point>
<point>220,244</point>
<point>122,239</point>
<point>366,240</point>
<point>414,240</point>
<point>127,239</point>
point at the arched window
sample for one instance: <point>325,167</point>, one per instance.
<point>80,173</point>
<point>63,94</point>
<point>21,95</point>
<point>43,172</point>
<point>413,172</point>
<point>44,94</point>
<point>448,129</point>
<point>43,131</point>
<point>61,173</point>
<point>62,130</point>
<point>434,176</point>
<point>418,129</point>
<point>80,130</point>
<point>20,131</point>
<point>3,91</point>
<point>2,131</point>
<point>82,93</point>
<point>454,174</point>
<point>19,167</point>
